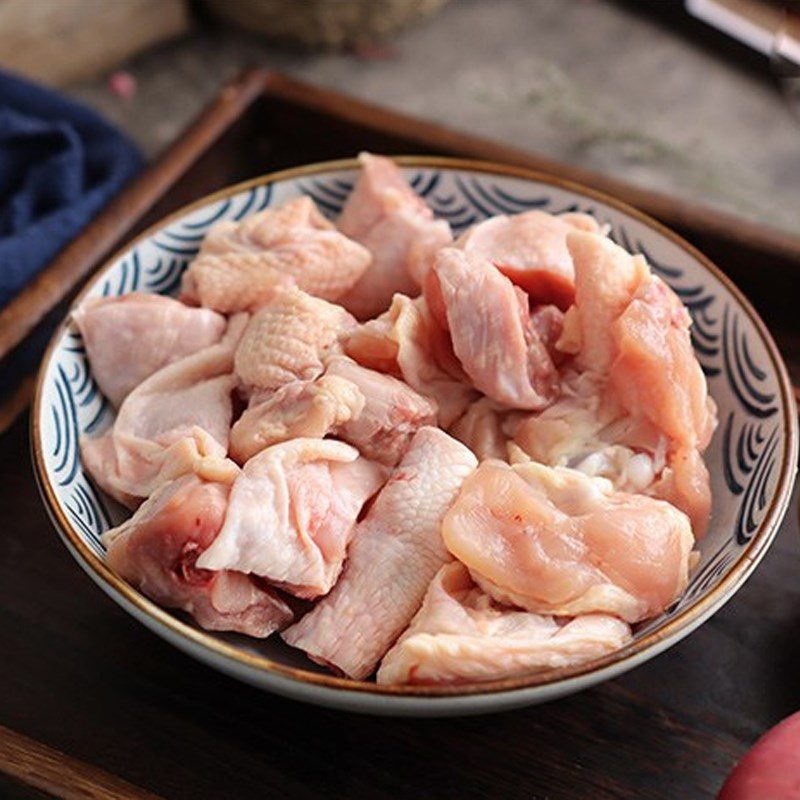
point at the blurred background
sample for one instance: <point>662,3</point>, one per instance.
<point>695,99</point>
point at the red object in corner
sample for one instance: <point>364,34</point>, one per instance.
<point>770,770</point>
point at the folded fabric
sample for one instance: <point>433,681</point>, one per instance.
<point>60,163</point>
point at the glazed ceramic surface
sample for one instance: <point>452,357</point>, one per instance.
<point>752,458</point>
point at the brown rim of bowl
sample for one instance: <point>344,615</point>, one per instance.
<point>703,606</point>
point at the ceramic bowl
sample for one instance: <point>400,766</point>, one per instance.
<point>752,458</point>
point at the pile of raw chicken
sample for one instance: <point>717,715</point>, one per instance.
<point>428,460</point>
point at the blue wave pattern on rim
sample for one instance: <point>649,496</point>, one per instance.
<point>746,444</point>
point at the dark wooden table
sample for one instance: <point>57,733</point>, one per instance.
<point>132,718</point>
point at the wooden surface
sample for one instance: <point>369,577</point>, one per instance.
<point>81,677</point>
<point>58,41</point>
<point>39,767</point>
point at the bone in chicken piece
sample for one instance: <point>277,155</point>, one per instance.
<point>396,551</point>
<point>241,264</point>
<point>460,634</point>
<point>129,338</point>
<point>396,225</point>
<point>302,409</point>
<point>393,412</point>
<point>405,342</point>
<point>491,331</point>
<point>291,514</point>
<point>157,549</point>
<point>554,541</point>
<point>168,424</point>
<point>288,340</point>
<point>531,249</point>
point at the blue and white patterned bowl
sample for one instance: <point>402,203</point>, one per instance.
<point>752,458</point>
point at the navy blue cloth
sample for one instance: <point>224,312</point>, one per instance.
<point>60,163</point>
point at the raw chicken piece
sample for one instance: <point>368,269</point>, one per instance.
<point>555,541</point>
<point>461,635</point>
<point>656,377</point>
<point>385,215</point>
<point>129,338</point>
<point>241,264</point>
<point>405,342</point>
<point>606,279</point>
<point>288,339</point>
<point>491,332</point>
<point>291,514</point>
<point>649,409</point>
<point>655,374</point>
<point>629,325</point>
<point>531,249</point>
<point>168,424</point>
<point>268,228</point>
<point>309,409</point>
<point>156,550</point>
<point>395,553</point>
<point>481,429</point>
<point>392,414</point>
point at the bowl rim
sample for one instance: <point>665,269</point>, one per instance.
<point>681,624</point>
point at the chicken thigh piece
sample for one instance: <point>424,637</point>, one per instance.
<point>291,514</point>
<point>385,215</point>
<point>156,550</point>
<point>128,338</point>
<point>531,249</point>
<point>288,339</point>
<point>396,551</point>
<point>301,409</point>
<point>241,264</point>
<point>169,424</point>
<point>392,413</point>
<point>461,635</point>
<point>555,541</point>
<point>491,331</point>
<point>405,342</point>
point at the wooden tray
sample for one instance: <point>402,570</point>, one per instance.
<point>266,121</point>
<point>95,706</point>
